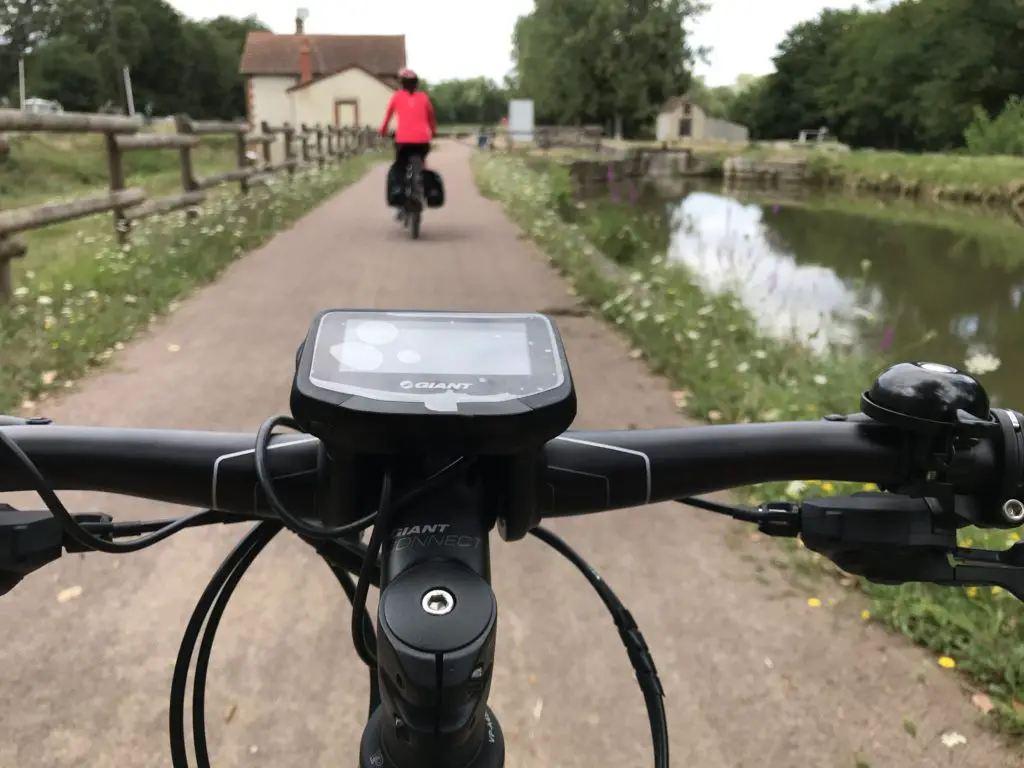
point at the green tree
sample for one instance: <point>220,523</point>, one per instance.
<point>473,101</point>
<point>65,71</point>
<point>909,75</point>
<point>602,61</point>
<point>177,65</point>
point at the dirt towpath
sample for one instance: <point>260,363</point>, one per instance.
<point>754,677</point>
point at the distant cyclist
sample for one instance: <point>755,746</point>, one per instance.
<point>417,122</point>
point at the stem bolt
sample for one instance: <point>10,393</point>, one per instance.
<point>438,602</point>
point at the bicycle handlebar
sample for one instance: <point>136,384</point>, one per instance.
<point>582,471</point>
<point>939,476</point>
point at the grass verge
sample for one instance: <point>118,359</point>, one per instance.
<point>724,371</point>
<point>99,294</point>
<point>46,168</point>
<point>43,166</point>
<point>989,180</point>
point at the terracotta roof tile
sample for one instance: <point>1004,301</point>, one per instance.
<point>269,54</point>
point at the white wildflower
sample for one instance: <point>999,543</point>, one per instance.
<point>982,363</point>
<point>952,739</point>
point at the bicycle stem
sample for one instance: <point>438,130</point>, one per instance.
<point>437,628</point>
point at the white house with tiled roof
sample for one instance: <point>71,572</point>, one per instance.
<point>341,80</point>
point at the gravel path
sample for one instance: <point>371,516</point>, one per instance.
<point>754,677</point>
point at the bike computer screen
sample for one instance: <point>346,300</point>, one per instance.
<point>484,382</point>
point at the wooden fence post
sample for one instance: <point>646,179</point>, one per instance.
<point>265,130</point>
<point>304,138</point>
<point>10,248</point>
<point>289,148</point>
<point>183,124</point>
<point>115,166</point>
<point>319,145</point>
<point>242,150</point>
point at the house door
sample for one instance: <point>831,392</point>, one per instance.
<point>346,113</point>
<point>685,128</point>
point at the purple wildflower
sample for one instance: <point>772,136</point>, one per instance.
<point>887,337</point>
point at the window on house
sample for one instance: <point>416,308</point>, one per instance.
<point>685,127</point>
<point>687,109</point>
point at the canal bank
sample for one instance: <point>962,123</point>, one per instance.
<point>996,182</point>
<point>675,289</point>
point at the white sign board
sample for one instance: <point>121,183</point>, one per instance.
<point>520,120</point>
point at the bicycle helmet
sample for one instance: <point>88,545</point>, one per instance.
<point>408,78</point>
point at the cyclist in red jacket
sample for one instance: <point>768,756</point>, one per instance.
<point>417,122</point>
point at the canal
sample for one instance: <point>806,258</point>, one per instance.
<point>903,280</point>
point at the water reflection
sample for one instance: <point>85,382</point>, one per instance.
<point>729,246</point>
<point>908,283</point>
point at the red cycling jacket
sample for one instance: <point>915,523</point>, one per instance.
<point>417,122</point>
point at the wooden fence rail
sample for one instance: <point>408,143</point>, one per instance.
<point>318,145</point>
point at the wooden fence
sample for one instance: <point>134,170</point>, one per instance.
<point>304,146</point>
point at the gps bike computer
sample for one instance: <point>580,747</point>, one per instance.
<point>388,382</point>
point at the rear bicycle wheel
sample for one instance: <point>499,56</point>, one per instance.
<point>415,198</point>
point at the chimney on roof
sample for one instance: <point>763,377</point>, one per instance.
<point>305,63</point>
<point>300,20</point>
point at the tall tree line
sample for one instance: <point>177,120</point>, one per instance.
<point>74,51</point>
<point>603,61</point>
<point>476,101</point>
<point>914,75</point>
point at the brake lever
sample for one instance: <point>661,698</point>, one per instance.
<point>990,568</point>
<point>894,539</point>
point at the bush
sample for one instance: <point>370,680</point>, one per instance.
<point>1003,135</point>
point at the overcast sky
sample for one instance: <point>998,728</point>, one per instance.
<point>465,38</point>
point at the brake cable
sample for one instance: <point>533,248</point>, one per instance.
<point>266,483</point>
<point>636,647</point>
<point>384,510</point>
<point>224,580</point>
<point>746,514</point>
<point>76,531</point>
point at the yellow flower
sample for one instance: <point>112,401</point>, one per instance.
<point>972,591</point>
<point>1014,536</point>
<point>814,602</point>
<point>870,487</point>
<point>946,663</point>
<point>996,590</point>
<point>827,487</point>
<point>865,615</point>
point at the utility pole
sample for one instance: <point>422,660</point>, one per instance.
<point>128,91</point>
<point>21,82</point>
